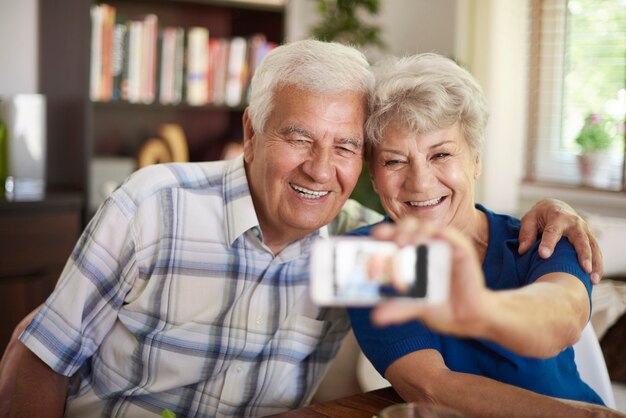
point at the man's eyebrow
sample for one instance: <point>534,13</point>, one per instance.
<point>356,142</point>
<point>294,129</point>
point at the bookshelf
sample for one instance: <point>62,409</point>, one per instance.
<point>80,129</point>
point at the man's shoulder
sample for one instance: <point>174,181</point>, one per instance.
<point>153,179</point>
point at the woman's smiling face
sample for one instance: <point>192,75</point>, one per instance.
<point>430,176</point>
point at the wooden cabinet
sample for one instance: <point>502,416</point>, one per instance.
<point>79,130</point>
<point>36,239</point>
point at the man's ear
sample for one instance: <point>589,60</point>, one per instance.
<point>248,137</point>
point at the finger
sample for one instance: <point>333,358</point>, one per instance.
<point>597,261</point>
<point>552,233</point>
<point>383,231</point>
<point>582,246</point>
<point>527,233</point>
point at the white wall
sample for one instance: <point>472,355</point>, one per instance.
<point>18,46</point>
<point>493,45</point>
<point>408,26</point>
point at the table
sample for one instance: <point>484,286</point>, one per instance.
<point>362,405</point>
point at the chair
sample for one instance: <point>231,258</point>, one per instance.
<point>591,366</point>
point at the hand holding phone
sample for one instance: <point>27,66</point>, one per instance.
<point>360,271</point>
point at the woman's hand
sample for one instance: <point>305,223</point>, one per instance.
<point>468,303</point>
<point>554,219</point>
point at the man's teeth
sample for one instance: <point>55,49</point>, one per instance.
<point>431,202</point>
<point>308,194</point>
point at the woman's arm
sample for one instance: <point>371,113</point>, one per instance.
<point>422,376</point>
<point>538,320</point>
<point>554,219</point>
<point>555,307</point>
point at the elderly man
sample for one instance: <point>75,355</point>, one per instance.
<point>189,289</point>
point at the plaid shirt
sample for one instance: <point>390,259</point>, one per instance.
<point>171,300</point>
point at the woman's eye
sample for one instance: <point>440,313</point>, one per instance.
<point>441,155</point>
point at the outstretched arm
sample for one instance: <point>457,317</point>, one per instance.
<point>537,320</point>
<point>422,376</point>
<point>554,219</point>
<point>39,391</point>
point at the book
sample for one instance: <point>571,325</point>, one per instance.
<point>148,58</point>
<point>96,52</point>
<point>168,65</point>
<point>214,45</point>
<point>118,59</point>
<point>258,47</point>
<point>179,66</point>
<point>236,71</point>
<point>220,71</point>
<point>134,80</point>
<point>197,65</point>
<point>106,72</point>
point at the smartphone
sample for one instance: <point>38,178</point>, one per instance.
<point>341,271</point>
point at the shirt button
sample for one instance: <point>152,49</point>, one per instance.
<point>239,369</point>
<point>259,320</point>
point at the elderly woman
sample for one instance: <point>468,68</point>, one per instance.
<point>426,126</point>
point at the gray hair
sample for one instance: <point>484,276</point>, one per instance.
<point>319,67</point>
<point>424,93</point>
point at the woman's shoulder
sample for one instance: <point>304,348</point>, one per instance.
<point>365,230</point>
<point>501,225</point>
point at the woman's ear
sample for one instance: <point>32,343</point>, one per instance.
<point>370,171</point>
<point>477,167</point>
<point>248,137</point>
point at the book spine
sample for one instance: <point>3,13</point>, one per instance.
<point>220,72</point>
<point>149,58</point>
<point>119,58</point>
<point>236,71</point>
<point>179,66</point>
<point>95,76</point>
<point>134,61</point>
<point>197,66</point>
<point>106,73</point>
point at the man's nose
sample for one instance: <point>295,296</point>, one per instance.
<point>320,166</point>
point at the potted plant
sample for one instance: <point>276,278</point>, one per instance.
<point>342,21</point>
<point>595,141</point>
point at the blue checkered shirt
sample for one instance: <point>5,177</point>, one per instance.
<point>171,300</point>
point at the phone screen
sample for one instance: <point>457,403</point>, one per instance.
<point>361,271</point>
<point>354,275</point>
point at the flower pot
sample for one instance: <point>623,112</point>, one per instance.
<point>595,169</point>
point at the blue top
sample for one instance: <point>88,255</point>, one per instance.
<point>503,268</point>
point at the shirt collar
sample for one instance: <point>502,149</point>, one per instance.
<point>239,213</point>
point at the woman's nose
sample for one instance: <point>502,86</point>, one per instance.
<point>420,177</point>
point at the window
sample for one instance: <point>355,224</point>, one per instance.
<point>577,79</point>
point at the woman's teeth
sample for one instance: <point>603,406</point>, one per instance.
<point>431,202</point>
<point>308,194</point>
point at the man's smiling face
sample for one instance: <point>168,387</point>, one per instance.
<point>305,164</point>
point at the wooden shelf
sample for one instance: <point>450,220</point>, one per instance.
<point>79,130</point>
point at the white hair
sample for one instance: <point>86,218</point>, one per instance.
<point>424,93</point>
<point>315,66</point>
